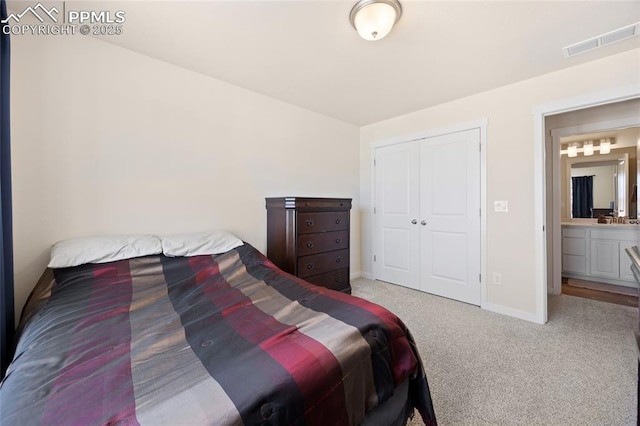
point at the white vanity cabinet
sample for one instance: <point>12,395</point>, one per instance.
<point>597,253</point>
<point>625,261</point>
<point>605,258</point>
<point>574,250</point>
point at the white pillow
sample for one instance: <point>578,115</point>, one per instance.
<point>78,251</point>
<point>201,243</point>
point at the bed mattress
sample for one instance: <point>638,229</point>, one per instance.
<point>225,339</point>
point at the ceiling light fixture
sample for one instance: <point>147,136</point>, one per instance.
<point>587,148</point>
<point>605,146</point>
<point>373,19</point>
<point>572,150</point>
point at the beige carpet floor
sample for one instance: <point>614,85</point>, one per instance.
<point>489,369</point>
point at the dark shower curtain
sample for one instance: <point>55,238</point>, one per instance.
<point>582,194</point>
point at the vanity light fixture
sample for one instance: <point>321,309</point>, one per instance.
<point>373,19</point>
<point>605,146</point>
<point>587,148</point>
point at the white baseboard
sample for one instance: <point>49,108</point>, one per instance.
<point>361,274</point>
<point>516,313</point>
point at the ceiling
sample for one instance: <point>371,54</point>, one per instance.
<point>306,53</point>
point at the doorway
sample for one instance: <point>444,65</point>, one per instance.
<point>595,123</point>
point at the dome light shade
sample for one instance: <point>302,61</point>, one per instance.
<point>374,19</point>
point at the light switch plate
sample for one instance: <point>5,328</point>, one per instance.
<point>501,206</point>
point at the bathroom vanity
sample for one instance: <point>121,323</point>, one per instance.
<point>597,252</point>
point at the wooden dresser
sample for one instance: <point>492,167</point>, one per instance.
<point>309,238</point>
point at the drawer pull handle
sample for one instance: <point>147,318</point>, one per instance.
<point>337,221</point>
<point>309,265</point>
<point>337,240</point>
<point>309,244</point>
<point>338,260</point>
<point>309,223</point>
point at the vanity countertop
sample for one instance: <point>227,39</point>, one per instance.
<point>602,225</point>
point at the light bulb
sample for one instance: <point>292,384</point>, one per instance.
<point>587,148</point>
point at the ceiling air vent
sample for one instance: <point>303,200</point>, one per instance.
<point>602,40</point>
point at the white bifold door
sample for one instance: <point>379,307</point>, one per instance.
<point>427,215</point>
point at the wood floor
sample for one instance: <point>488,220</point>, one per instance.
<point>601,292</point>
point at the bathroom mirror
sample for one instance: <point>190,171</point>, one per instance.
<point>614,173</point>
<point>607,181</point>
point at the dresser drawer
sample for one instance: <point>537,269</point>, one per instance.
<point>322,221</point>
<point>323,262</point>
<point>334,280</point>
<point>321,242</point>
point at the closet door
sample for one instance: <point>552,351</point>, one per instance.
<point>450,216</point>
<point>396,214</point>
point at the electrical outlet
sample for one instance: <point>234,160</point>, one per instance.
<point>497,278</point>
<point>501,206</point>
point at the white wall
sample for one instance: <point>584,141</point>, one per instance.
<point>109,141</point>
<point>510,163</point>
<point>106,140</point>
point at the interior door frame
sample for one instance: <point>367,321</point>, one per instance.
<point>540,206</point>
<point>555,287</point>
<point>481,125</point>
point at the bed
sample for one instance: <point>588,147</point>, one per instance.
<point>222,338</point>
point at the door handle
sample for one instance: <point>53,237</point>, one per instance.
<point>423,222</point>
<point>414,221</point>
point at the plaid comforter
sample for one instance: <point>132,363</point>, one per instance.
<point>228,339</point>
